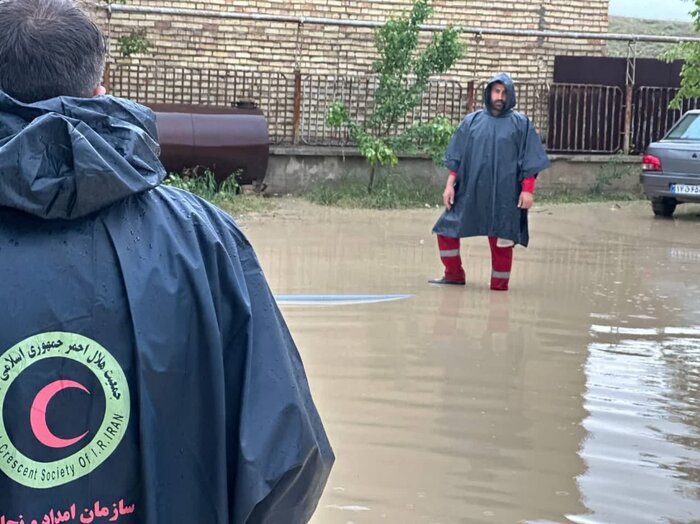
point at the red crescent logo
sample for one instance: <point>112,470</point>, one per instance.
<point>38,414</point>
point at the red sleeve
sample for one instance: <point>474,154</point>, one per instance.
<point>529,184</point>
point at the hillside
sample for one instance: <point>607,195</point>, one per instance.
<point>640,26</point>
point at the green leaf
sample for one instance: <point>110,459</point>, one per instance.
<point>136,42</point>
<point>690,72</point>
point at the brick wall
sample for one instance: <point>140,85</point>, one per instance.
<point>252,45</point>
<point>264,47</point>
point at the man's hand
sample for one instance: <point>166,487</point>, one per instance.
<point>448,196</point>
<point>526,200</point>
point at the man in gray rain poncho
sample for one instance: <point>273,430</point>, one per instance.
<point>494,158</point>
<point>146,374</point>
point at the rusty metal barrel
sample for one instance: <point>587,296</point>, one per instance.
<point>224,140</point>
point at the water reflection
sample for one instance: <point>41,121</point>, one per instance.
<point>642,451</point>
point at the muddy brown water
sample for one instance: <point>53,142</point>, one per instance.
<point>574,397</point>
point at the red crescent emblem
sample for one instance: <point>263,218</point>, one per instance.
<point>38,414</point>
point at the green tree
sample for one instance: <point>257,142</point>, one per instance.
<point>690,71</point>
<point>403,72</point>
<point>136,42</point>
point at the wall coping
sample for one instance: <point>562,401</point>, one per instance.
<point>328,151</point>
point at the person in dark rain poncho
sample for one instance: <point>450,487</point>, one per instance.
<point>146,374</point>
<point>494,158</point>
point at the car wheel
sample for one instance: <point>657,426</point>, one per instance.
<point>663,207</point>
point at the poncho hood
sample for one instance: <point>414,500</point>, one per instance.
<point>65,158</point>
<point>507,81</point>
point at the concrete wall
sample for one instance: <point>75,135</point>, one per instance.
<point>578,173</point>
<point>292,170</point>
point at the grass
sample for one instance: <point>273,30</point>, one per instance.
<point>228,196</point>
<point>638,26</point>
<point>246,204</point>
<point>394,192</point>
<point>588,197</point>
<point>391,191</point>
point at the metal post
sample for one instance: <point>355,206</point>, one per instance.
<point>471,97</point>
<point>628,119</point>
<point>106,78</point>
<point>297,106</point>
<point>629,96</point>
<point>296,126</point>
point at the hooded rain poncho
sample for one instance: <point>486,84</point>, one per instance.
<point>492,155</point>
<point>146,374</point>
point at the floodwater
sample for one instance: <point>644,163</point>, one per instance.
<point>574,397</point>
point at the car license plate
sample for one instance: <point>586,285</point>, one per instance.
<point>684,189</point>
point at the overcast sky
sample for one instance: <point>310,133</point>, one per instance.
<point>653,9</point>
